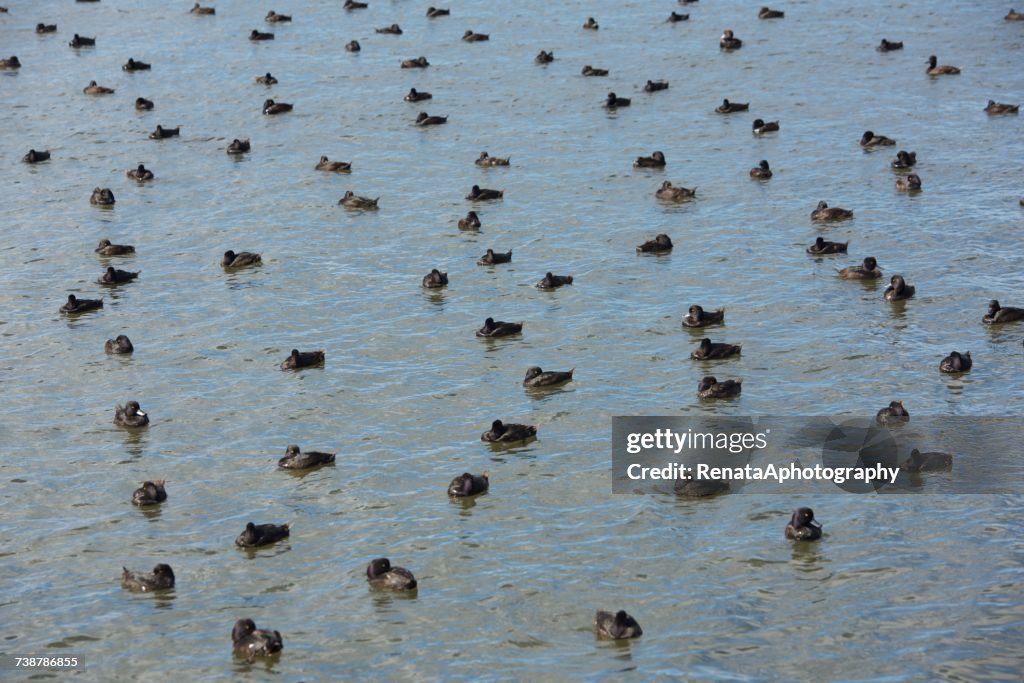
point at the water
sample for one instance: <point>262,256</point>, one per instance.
<point>905,587</point>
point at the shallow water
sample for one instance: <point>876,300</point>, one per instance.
<point>509,582</point>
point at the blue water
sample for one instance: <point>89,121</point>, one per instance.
<point>901,587</point>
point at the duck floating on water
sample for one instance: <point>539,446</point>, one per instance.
<point>802,526</point>
<point>249,641</point>
<point>618,626</point>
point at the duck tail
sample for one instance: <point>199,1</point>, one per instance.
<point>571,370</point>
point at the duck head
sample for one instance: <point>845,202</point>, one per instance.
<point>804,517</point>
<point>870,263</point>
<point>378,567</point>
<point>243,629</point>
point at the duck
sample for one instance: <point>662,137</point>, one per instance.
<point>727,107</point>
<point>140,173</point>
<point>894,412</point>
<point>766,13</point>
<point>591,24</point>
<point>802,526</point>
<point>266,79</point>
<point>240,260</point>
<point>709,387</point>
<point>470,222</point>
<point>675,193</point>
<point>161,133</point>
<point>656,160</point>
<point>550,281</point>
<point>333,166</point>
<point>295,459</point>
<point>239,146</point>
<point>761,171</point>
<point>661,244</point>
<point>10,63</point>
<point>1014,15</point>
<point>591,71</point>
<point>492,257</point>
<point>498,328</point>
<point>700,488</point>
<point>132,65</point>
<point>46,28</point>
<point>929,461</point>
<point>354,46</point>
<point>618,626</point>
<point>150,493</point>
<point>898,289</point>
<point>416,96</point>
<point>505,433</point>
<point>130,415</point>
<point>729,42</point>
<point>270,107</point>
<point>275,18</point>
<point>353,4</point>
<point>82,41</point>
<point>122,344</point>
<point>869,139</point>
<point>868,270</point>
<point>912,183</point>
<point>249,641</point>
<point>76,305</point>
<point>471,37</point>
<point>262,534</point>
<point>934,69</point>
<point>479,194</point>
<point>889,45</point>
<point>466,485</point>
<point>199,9</point>
<point>434,12</point>
<point>995,108</point>
<point>161,578</point>
<point>260,35</point>
<point>116,276</point>
<point>393,30</point>
<point>675,16</point>
<point>417,63</point>
<point>486,159</point>
<point>354,201</point>
<point>94,89</point>
<point>956,362</point>
<point>425,119</point>
<point>544,57</point>
<point>709,351</point>
<point>824,212</point>
<point>760,127</point>
<point>536,377</point>
<point>655,86</point>
<point>823,246</point>
<point>698,317</point>
<point>102,197</point>
<point>142,104</point>
<point>435,279</point>
<point>613,101</point>
<point>303,359</point>
<point>904,159</point>
<point>34,157</point>
<point>380,574</point>
<point>999,314</point>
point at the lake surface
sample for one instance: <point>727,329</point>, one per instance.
<point>901,587</point>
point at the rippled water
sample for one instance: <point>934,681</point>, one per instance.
<point>906,587</point>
